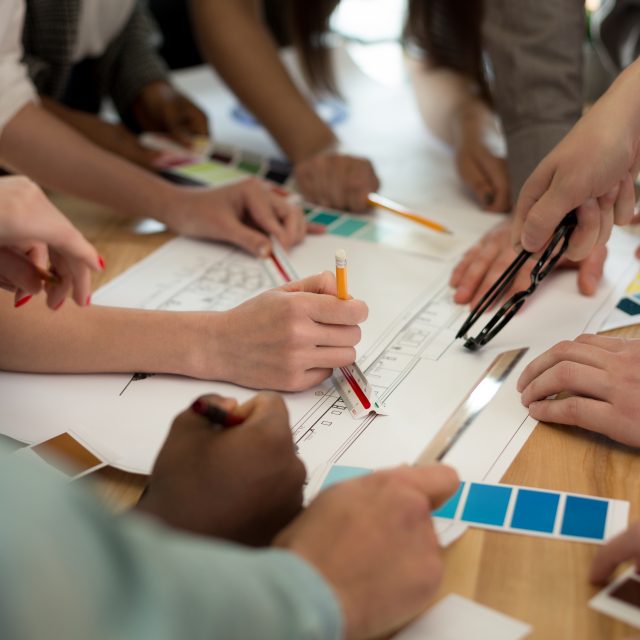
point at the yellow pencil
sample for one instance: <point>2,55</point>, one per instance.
<point>376,200</point>
<point>341,274</point>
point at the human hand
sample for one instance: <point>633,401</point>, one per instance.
<point>483,172</point>
<point>35,236</point>
<point>623,547</point>
<point>243,483</point>
<point>288,338</point>
<point>602,375</point>
<point>382,558</point>
<point>243,214</point>
<point>487,260</point>
<point>591,169</point>
<point>337,181</point>
<point>160,108</point>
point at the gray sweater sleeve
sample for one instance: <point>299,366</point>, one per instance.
<point>535,49</point>
<point>132,60</point>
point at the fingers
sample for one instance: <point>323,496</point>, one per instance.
<point>251,240</point>
<point>486,175</point>
<point>587,231</point>
<point>264,406</point>
<point>473,176</point>
<point>338,181</point>
<point>608,343</point>
<point>574,377</point>
<point>591,270</point>
<point>436,482</point>
<point>323,283</point>
<point>18,270</point>
<point>571,351</point>
<point>333,357</point>
<point>540,209</point>
<point>586,413</point>
<point>496,170</point>
<point>80,280</point>
<point>624,547</point>
<point>328,310</point>
<point>625,203</point>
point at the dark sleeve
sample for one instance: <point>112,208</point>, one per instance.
<point>535,49</point>
<point>132,60</point>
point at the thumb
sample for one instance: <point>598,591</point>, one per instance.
<point>324,283</point>
<point>249,239</point>
<point>590,271</point>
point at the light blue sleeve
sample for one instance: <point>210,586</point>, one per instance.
<point>70,570</point>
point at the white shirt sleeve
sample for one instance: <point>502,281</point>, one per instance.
<point>16,89</point>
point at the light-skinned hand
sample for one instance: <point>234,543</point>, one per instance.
<point>486,261</point>
<point>382,559</point>
<point>622,548</point>
<point>591,169</point>
<point>337,181</point>
<point>36,237</point>
<point>480,170</point>
<point>602,376</point>
<point>288,338</point>
<point>244,214</point>
<point>243,483</point>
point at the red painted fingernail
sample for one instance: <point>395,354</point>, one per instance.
<point>88,301</point>
<point>102,263</point>
<point>59,304</point>
<point>22,301</point>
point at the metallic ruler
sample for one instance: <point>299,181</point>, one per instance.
<point>471,406</point>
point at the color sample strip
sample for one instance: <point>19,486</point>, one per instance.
<point>550,514</point>
<point>621,599</point>
<point>339,473</point>
<point>536,512</point>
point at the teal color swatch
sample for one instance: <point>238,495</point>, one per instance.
<point>348,227</point>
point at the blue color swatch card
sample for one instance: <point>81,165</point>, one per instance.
<point>524,510</point>
<point>552,514</point>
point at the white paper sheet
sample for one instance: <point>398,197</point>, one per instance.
<point>457,618</point>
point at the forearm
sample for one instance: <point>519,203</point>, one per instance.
<point>100,339</point>
<point>50,152</point>
<point>441,93</point>
<point>257,76</point>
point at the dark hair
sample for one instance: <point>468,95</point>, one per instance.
<point>449,32</point>
<point>309,25</point>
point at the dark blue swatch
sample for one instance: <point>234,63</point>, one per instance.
<point>584,517</point>
<point>535,511</point>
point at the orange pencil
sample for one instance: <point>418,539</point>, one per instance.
<point>341,274</point>
<point>376,200</point>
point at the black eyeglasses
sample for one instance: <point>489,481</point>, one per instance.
<point>553,252</point>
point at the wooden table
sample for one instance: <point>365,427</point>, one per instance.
<point>543,582</point>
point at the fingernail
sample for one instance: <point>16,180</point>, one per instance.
<point>264,251</point>
<point>88,301</point>
<point>22,301</point>
<point>102,263</point>
<point>59,304</point>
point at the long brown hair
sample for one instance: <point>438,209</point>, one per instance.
<point>447,30</point>
<point>308,22</point>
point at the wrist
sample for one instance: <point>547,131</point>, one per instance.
<point>200,356</point>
